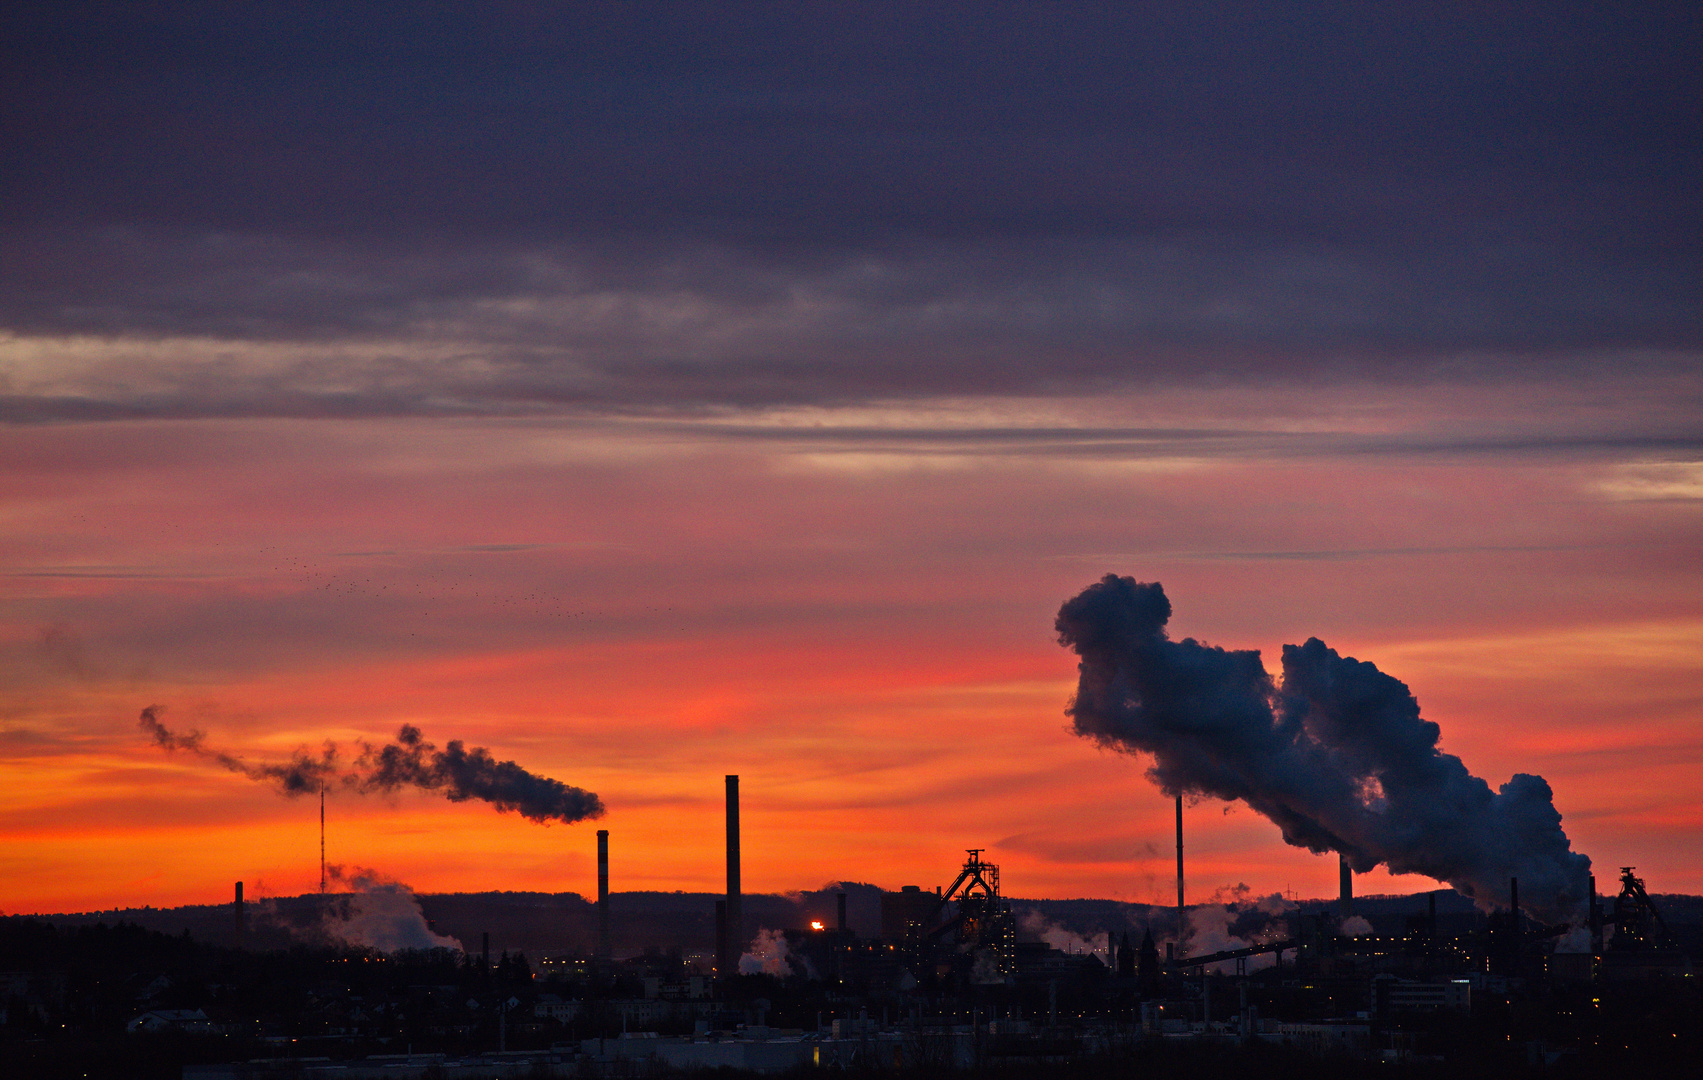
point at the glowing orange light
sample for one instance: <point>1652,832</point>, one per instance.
<point>814,925</point>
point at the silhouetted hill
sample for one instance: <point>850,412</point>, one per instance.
<point>536,923</point>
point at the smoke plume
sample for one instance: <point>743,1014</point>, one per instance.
<point>1036,925</point>
<point>1214,928</point>
<point>381,913</point>
<point>409,762</point>
<point>768,955</point>
<point>1336,756</point>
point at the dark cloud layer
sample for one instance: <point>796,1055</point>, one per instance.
<point>667,204</point>
<point>1337,755</point>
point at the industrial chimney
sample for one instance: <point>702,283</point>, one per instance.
<point>604,952</point>
<point>842,901</point>
<point>721,965</point>
<point>1345,875</point>
<point>1180,911</point>
<point>734,944</point>
<point>1595,911</point>
<point>237,911</point>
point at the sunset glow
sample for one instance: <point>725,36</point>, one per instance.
<point>785,471</point>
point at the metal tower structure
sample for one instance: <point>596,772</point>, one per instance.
<point>983,919</point>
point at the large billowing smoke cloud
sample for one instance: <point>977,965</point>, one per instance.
<point>455,771</point>
<point>1336,756</point>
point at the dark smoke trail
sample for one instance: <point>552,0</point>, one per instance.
<point>300,775</point>
<point>460,774</point>
<point>1337,757</point>
<point>463,774</point>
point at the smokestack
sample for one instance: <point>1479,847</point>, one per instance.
<point>721,965</point>
<point>1180,922</point>
<point>1345,875</point>
<point>486,951</point>
<point>238,912</point>
<point>1431,913</point>
<point>735,921</point>
<point>1595,913</point>
<point>604,951</point>
<point>842,899</point>
<point>1514,899</point>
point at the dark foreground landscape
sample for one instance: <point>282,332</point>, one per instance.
<point>499,985</point>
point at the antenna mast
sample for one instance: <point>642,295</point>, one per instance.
<point>322,839</point>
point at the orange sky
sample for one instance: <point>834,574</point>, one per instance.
<point>649,392</point>
<point>858,624</point>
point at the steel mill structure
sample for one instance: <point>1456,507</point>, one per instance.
<point>952,974</point>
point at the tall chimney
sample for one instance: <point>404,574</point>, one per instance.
<point>1595,915</point>
<point>735,920</point>
<point>1345,875</point>
<point>238,912</point>
<point>1514,900</point>
<point>604,951</point>
<point>842,899</point>
<point>722,968</point>
<point>1180,917</point>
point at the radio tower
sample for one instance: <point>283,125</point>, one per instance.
<point>322,839</point>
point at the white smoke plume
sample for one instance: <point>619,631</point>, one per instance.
<point>1241,924</point>
<point>1354,926</point>
<point>1576,940</point>
<point>1038,926</point>
<point>985,970</point>
<point>381,913</point>
<point>767,955</point>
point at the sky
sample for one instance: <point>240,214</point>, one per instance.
<point>653,392</point>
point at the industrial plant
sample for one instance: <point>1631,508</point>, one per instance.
<point>1519,964</point>
<point>957,976</point>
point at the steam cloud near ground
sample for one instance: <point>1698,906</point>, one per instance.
<point>1336,755</point>
<point>381,913</point>
<point>456,772</point>
<point>768,955</point>
<point>378,912</point>
<point>1036,925</point>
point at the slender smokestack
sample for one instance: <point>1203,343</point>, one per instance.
<point>735,921</point>
<point>1595,914</point>
<point>604,951</point>
<point>485,950</point>
<point>1345,875</point>
<point>721,966</point>
<point>1514,899</point>
<point>238,912</point>
<point>1180,922</point>
<point>842,899</point>
<point>1431,913</point>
